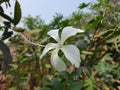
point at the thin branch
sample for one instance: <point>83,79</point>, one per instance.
<point>6,17</point>
<point>27,40</point>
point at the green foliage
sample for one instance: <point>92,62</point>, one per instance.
<point>94,22</point>
<point>76,86</point>
<point>83,5</point>
<point>32,23</point>
<point>57,21</point>
<point>90,83</point>
<point>12,88</point>
<point>104,67</point>
<point>6,54</point>
<point>56,84</point>
<point>17,13</point>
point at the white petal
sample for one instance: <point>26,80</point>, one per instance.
<point>56,61</point>
<point>72,54</point>
<point>54,34</point>
<point>68,32</point>
<point>47,48</point>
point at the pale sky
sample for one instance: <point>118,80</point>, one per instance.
<point>46,9</point>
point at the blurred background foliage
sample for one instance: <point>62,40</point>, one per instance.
<point>99,47</point>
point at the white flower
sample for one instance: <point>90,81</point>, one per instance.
<point>71,52</point>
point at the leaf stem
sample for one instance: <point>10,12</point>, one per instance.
<point>27,40</point>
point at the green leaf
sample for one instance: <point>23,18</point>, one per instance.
<point>104,67</point>
<point>107,1</point>
<point>56,84</point>
<point>117,72</point>
<point>12,88</point>
<point>94,22</point>
<point>87,53</point>
<point>83,5</point>
<point>18,29</point>
<point>43,88</point>
<point>15,66</point>
<point>76,86</point>
<point>6,53</point>
<point>107,57</point>
<point>90,83</point>
<point>46,81</point>
<point>1,10</point>
<point>17,13</point>
<point>81,45</point>
<point>64,73</point>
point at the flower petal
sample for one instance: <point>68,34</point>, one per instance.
<point>68,32</point>
<point>54,34</point>
<point>56,61</point>
<point>47,48</point>
<point>72,54</point>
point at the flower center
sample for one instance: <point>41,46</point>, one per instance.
<point>60,45</point>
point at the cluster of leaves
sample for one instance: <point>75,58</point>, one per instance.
<point>99,47</point>
<point>7,24</point>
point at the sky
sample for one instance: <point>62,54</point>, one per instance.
<point>46,9</point>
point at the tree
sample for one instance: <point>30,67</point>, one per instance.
<point>32,23</point>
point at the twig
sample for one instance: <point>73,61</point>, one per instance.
<point>31,42</point>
